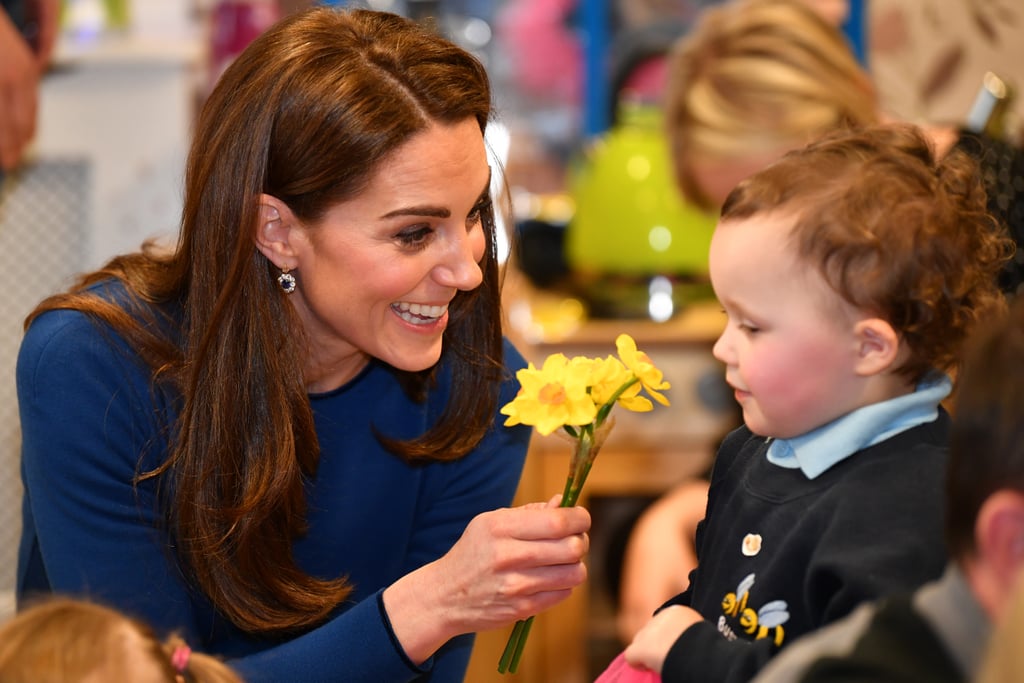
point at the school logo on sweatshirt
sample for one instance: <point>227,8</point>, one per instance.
<point>738,620</point>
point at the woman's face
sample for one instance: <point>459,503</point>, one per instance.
<point>716,176</point>
<point>376,275</point>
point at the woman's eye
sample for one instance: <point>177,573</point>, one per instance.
<point>415,237</point>
<point>477,213</point>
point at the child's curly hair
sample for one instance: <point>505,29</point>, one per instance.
<point>894,230</point>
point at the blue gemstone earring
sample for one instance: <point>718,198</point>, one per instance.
<point>287,281</point>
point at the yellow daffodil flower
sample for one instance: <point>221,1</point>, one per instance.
<point>640,364</point>
<point>578,395</point>
<point>554,396</point>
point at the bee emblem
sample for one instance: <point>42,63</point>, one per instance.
<point>734,603</point>
<point>762,623</point>
<point>771,616</point>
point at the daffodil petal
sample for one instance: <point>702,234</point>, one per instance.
<point>637,404</point>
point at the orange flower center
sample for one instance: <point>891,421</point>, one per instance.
<point>552,394</point>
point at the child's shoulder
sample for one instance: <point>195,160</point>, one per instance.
<point>736,446</point>
<point>913,460</point>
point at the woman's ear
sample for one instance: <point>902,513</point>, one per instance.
<point>878,346</point>
<point>274,233</point>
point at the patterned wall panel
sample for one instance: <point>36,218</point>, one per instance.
<point>44,216</point>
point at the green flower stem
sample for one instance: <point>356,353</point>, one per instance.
<point>579,468</point>
<point>513,650</point>
<point>523,633</point>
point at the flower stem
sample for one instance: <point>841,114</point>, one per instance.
<point>582,461</point>
<point>523,633</point>
<point>513,648</point>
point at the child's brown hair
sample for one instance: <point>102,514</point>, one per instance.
<point>893,229</point>
<point>64,640</point>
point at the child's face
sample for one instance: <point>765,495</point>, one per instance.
<point>789,345</point>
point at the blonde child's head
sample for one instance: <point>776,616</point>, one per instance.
<point>72,641</point>
<point>851,269</point>
<point>751,80</point>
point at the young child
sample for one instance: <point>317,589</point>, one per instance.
<point>940,633</point>
<point>73,641</point>
<point>850,271</point>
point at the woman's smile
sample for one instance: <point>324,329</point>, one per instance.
<point>420,314</point>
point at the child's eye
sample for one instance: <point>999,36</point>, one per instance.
<point>749,328</point>
<point>416,237</point>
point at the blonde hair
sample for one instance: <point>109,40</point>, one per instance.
<point>755,76</point>
<point>63,640</point>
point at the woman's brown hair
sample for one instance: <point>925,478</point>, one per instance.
<point>894,230</point>
<point>307,114</point>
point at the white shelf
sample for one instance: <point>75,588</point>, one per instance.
<point>125,49</point>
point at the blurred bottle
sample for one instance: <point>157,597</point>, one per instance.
<point>117,12</point>
<point>991,106</point>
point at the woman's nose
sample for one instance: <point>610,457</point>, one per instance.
<point>461,265</point>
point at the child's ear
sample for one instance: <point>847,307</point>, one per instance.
<point>878,346</point>
<point>274,233</point>
<point>999,536</point>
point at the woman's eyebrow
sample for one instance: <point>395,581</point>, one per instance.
<point>433,211</point>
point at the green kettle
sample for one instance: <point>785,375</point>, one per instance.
<point>630,218</point>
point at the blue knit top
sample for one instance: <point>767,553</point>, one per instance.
<point>89,426</point>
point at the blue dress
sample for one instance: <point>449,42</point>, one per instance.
<point>87,418</point>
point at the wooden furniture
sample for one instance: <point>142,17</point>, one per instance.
<point>646,454</point>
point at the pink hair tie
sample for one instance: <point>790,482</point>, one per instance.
<point>179,658</point>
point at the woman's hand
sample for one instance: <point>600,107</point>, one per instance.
<point>509,564</point>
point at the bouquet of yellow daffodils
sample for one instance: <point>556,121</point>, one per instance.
<point>577,395</point>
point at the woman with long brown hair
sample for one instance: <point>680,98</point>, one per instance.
<point>282,438</point>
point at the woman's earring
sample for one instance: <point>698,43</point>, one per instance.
<point>286,280</point>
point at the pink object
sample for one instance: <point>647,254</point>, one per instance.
<point>621,672</point>
<point>179,660</point>
<point>545,54</point>
<point>235,24</point>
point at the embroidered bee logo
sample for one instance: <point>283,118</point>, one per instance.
<point>762,623</point>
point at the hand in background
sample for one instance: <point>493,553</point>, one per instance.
<point>20,70</point>
<point>48,20</point>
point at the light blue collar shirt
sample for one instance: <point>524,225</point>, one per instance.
<point>819,449</point>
